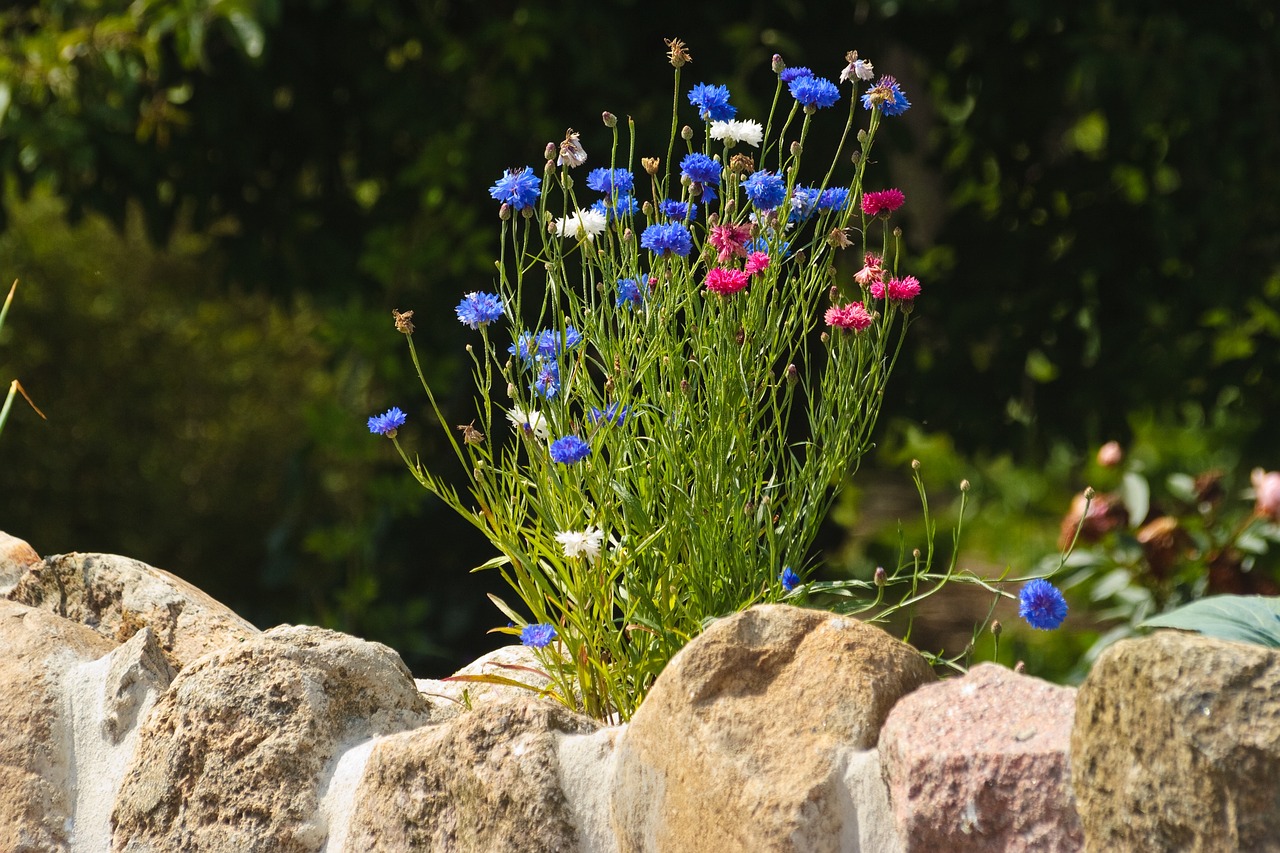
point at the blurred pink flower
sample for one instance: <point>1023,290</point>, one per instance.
<point>1266,490</point>
<point>1110,454</point>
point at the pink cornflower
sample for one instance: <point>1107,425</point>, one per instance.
<point>730,240</point>
<point>1266,491</point>
<point>725,281</point>
<point>757,262</point>
<point>883,201</point>
<point>851,318</point>
<point>903,289</point>
<point>871,272</point>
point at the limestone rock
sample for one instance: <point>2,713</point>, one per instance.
<point>116,596</point>
<point>36,737</point>
<point>235,753</point>
<point>743,741</point>
<point>517,662</point>
<point>980,763</point>
<point>587,765</point>
<point>485,780</point>
<point>1176,746</point>
<point>16,556</point>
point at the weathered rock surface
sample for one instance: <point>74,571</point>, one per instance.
<point>980,763</point>
<point>1176,746</point>
<point>744,740</point>
<point>449,698</point>
<point>16,556</point>
<point>235,753</point>
<point>116,596</point>
<point>37,755</point>
<point>485,780</point>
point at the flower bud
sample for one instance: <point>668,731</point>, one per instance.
<point>504,212</point>
<point>778,65</point>
<point>549,153</point>
<point>1089,493</point>
<point>686,133</point>
<point>527,212</point>
<point>996,628</point>
<point>915,552</point>
<point>915,464</point>
<point>549,167</point>
<point>796,148</point>
<point>609,119</point>
<point>964,485</point>
<point>862,137</point>
<point>627,235</point>
<point>792,374</point>
<point>1020,667</point>
<point>881,576</point>
<point>511,388</point>
<point>897,232</point>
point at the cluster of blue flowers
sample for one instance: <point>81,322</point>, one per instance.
<point>617,186</point>
<point>678,211</point>
<point>666,240</point>
<point>629,293</point>
<point>542,352</point>
<point>613,413</point>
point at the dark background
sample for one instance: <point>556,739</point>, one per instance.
<point>214,210</point>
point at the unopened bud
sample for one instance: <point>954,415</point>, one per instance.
<point>862,137</point>
<point>511,389</point>
<point>881,576</point>
<point>796,148</point>
<point>964,485</point>
<point>609,119</point>
<point>684,386</point>
<point>627,235</point>
<point>824,337</point>
<point>834,293</point>
<point>778,65</point>
<point>915,552</point>
<point>897,232</point>
<point>686,133</point>
<point>549,153</point>
<point>792,374</point>
<point>996,628</point>
<point>1089,493</point>
<point>549,166</point>
<point>526,212</point>
<point>915,464</point>
<point>504,212</point>
<point>1020,667</point>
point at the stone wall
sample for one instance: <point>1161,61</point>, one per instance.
<point>141,715</point>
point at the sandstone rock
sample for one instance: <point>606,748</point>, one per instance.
<point>980,763</point>
<point>587,765</point>
<point>485,780</point>
<point>116,596</point>
<point>235,754</point>
<point>36,734</point>
<point>1176,746</point>
<point>108,698</point>
<point>517,662</point>
<point>744,740</point>
<point>16,557</point>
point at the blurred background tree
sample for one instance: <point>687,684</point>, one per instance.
<point>215,204</point>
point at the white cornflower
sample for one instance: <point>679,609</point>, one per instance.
<point>583,224</point>
<point>581,543</point>
<point>736,131</point>
<point>530,421</point>
<point>859,68</point>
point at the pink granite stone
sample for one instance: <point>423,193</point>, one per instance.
<point>981,763</point>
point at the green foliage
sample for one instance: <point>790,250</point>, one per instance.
<point>1246,618</point>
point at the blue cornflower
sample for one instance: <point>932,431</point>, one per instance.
<point>765,190</point>
<point>610,181</point>
<point>387,423</point>
<point>670,239</point>
<point>789,74</point>
<point>518,189</point>
<point>479,309</point>
<point>700,169</point>
<point>712,102</point>
<point>814,93</point>
<point>610,414</point>
<point>760,244</point>
<point>836,198</point>
<point>1042,605</point>
<point>790,580</point>
<point>629,293</point>
<point>538,636</point>
<point>549,343</point>
<point>569,449</point>
<point>626,206</point>
<point>804,200</point>
<point>887,95</point>
<point>547,385</point>
<point>524,347</point>
<point>678,210</point>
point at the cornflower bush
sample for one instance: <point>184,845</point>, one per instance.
<point>672,378</point>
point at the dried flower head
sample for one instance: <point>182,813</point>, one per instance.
<point>677,53</point>
<point>404,321</point>
<point>651,164</point>
<point>470,435</point>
